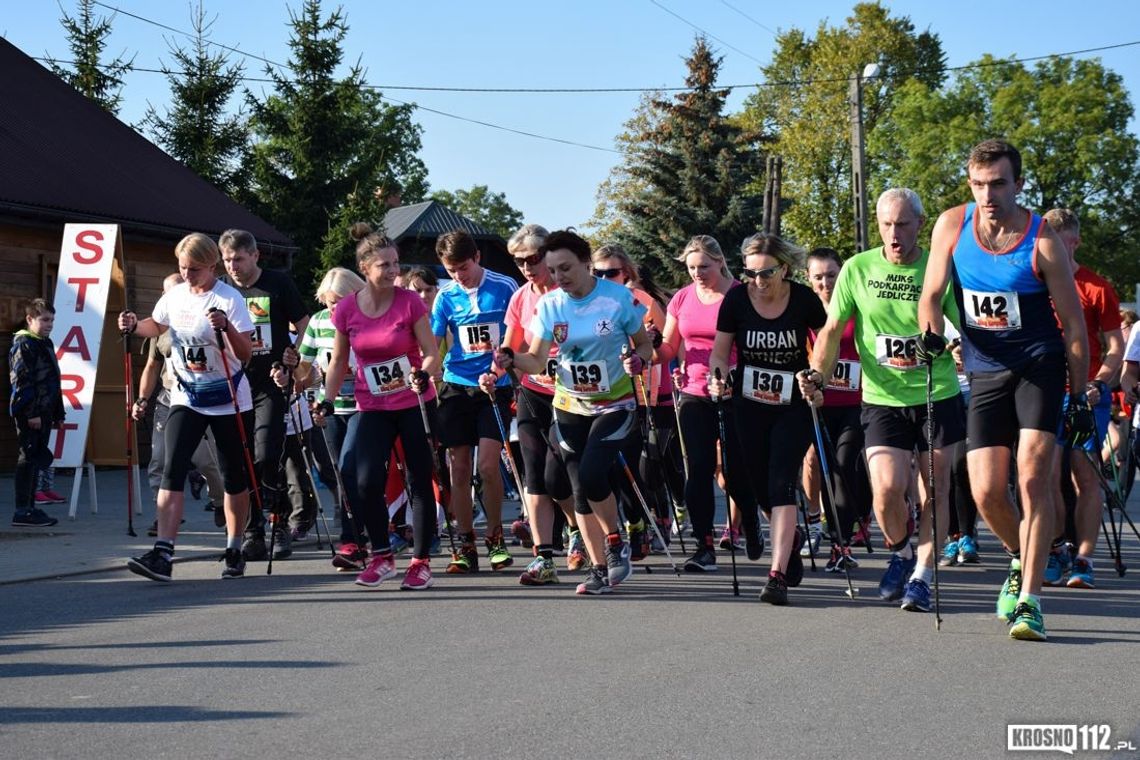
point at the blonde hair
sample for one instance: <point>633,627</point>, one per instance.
<point>615,251</point>
<point>339,282</point>
<point>1063,220</point>
<point>530,236</point>
<point>199,248</point>
<point>764,243</point>
<point>707,245</point>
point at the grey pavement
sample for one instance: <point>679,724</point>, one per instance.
<point>106,664</point>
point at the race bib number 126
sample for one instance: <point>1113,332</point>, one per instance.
<point>896,351</point>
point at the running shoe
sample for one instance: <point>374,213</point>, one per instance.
<point>397,542</point>
<point>753,542</point>
<point>219,514</point>
<point>435,546</point>
<point>618,562</point>
<point>949,556</point>
<point>520,529</point>
<point>968,550</point>
<point>497,552</point>
<point>153,565</point>
<point>776,590</point>
<point>197,483</point>
<point>576,557</point>
<point>893,582</point>
<point>540,572</point>
<point>380,568</point>
<point>682,523</point>
<point>1010,590</point>
<point>1054,569</point>
<point>33,518</point>
<point>597,582</point>
<point>465,561</point>
<point>299,534</point>
<point>862,537</point>
<point>815,535</point>
<point>418,576</point>
<point>41,499</point>
<point>253,548</point>
<point>55,497</point>
<point>917,596</point>
<point>730,540</point>
<point>1082,575</point>
<point>841,560</point>
<point>638,541</point>
<point>702,561</point>
<point>1027,623</point>
<point>282,543</point>
<point>235,564</point>
<point>794,575</point>
<point>349,557</point>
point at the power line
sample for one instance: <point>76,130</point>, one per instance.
<point>769,29</point>
<point>707,34</point>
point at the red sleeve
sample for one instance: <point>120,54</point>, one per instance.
<point>1110,308</point>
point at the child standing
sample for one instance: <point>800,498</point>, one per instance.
<point>36,407</point>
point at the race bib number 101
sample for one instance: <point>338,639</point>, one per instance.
<point>846,377</point>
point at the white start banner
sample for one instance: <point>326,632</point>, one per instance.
<point>81,290</point>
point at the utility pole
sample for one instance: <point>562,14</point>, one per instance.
<point>858,158</point>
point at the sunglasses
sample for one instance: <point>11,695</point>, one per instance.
<point>763,274</point>
<point>608,273</point>
<point>531,260</point>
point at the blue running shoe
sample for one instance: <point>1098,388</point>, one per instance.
<point>397,542</point>
<point>1082,576</point>
<point>899,569</point>
<point>1054,569</point>
<point>949,556</point>
<point>968,551</point>
<point>917,596</point>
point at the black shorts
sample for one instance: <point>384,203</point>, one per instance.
<point>465,415</point>
<point>1003,403</point>
<point>904,427</point>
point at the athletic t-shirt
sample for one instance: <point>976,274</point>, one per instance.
<point>273,302</point>
<point>1101,308</point>
<point>386,350</point>
<point>590,333</point>
<point>475,320</point>
<point>883,299</point>
<point>316,348</point>
<point>843,389</point>
<point>655,378</point>
<point>696,322</point>
<point>195,357</point>
<point>520,313</point>
<point>770,351</point>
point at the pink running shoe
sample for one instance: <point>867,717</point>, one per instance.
<point>380,568</point>
<point>418,576</point>
<point>55,497</point>
<point>520,529</point>
<point>349,557</point>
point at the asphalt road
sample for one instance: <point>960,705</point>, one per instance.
<point>305,664</point>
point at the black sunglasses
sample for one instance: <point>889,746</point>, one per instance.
<point>530,260</point>
<point>608,273</point>
<point>763,274</point>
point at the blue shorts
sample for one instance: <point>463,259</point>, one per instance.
<point>1102,413</point>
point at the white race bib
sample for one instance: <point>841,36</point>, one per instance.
<point>585,377</point>
<point>896,351</point>
<point>768,386</point>
<point>261,339</point>
<point>197,359</point>
<point>388,377</point>
<point>991,311</point>
<point>547,378</point>
<point>480,338</point>
<point>847,377</point>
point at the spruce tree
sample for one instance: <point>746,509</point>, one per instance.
<point>87,36</point>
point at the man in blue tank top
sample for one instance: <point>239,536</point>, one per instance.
<point>1009,271</point>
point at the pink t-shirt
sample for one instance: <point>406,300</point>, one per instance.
<point>520,313</point>
<point>845,386</point>
<point>697,324</point>
<point>386,350</point>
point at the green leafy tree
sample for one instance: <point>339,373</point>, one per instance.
<point>338,249</point>
<point>805,106</point>
<point>195,129</point>
<point>483,207</point>
<point>319,138</point>
<point>1068,118</point>
<point>687,172</point>
<point>99,80</point>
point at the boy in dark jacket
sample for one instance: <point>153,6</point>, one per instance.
<point>36,406</point>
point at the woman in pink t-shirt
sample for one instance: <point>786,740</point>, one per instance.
<point>690,327</point>
<point>387,329</point>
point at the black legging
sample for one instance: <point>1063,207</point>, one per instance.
<point>589,447</point>
<point>543,471</point>
<point>269,409</point>
<point>335,432</point>
<point>664,467</point>
<point>848,466</point>
<point>700,431</point>
<point>964,516</point>
<point>184,430</point>
<point>375,434</point>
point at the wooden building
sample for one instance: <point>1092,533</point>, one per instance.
<point>64,159</point>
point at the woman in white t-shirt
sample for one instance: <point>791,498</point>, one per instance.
<point>198,313</point>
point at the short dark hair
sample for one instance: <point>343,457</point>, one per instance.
<point>569,240</point>
<point>456,246</point>
<point>991,151</point>
<point>37,307</point>
<point>421,273</point>
<point>237,240</point>
<point>825,254</point>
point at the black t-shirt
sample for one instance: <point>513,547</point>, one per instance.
<point>274,302</point>
<point>770,351</point>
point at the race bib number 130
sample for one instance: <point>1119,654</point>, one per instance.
<point>388,377</point>
<point>768,386</point>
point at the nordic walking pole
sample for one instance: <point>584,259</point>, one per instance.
<point>654,435</point>
<point>932,501</point>
<point>507,455</point>
<point>327,409</point>
<point>310,463</point>
<point>833,516</point>
<point>807,531</point>
<point>724,469</point>
<point>648,514</point>
<point>676,391</point>
<point>128,386</point>
<point>256,491</point>
<point>437,470</point>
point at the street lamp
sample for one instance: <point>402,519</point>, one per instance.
<point>858,162</point>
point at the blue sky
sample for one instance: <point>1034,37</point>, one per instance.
<point>590,43</point>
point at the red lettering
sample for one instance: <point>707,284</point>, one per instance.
<point>82,282</point>
<point>71,394</point>
<point>59,435</point>
<point>74,342</point>
<point>84,240</point>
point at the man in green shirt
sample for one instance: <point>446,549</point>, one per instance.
<point>880,289</point>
